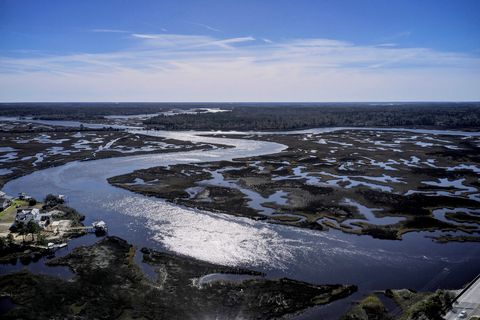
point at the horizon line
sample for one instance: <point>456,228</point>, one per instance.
<point>245,102</point>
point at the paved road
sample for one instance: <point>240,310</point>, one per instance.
<point>468,301</point>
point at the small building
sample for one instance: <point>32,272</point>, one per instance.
<point>99,227</point>
<point>24,215</point>
<point>27,215</point>
<point>24,196</point>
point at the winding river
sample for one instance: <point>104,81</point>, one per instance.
<point>280,251</point>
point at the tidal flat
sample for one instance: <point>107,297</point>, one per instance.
<point>367,182</point>
<point>29,146</point>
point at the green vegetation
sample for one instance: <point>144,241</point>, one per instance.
<point>432,307</point>
<point>25,229</point>
<point>12,209</point>
<point>370,308</point>
<point>413,306</point>
<point>41,239</point>
<point>52,200</point>
<point>32,228</point>
<point>28,241</point>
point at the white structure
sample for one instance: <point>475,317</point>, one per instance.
<point>24,196</point>
<point>35,215</point>
<point>26,215</point>
<point>99,226</point>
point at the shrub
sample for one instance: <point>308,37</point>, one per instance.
<point>42,240</point>
<point>52,200</point>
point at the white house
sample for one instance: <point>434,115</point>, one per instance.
<point>25,215</point>
<point>35,215</point>
<point>24,196</point>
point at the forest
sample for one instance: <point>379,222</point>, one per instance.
<point>265,116</point>
<point>289,117</point>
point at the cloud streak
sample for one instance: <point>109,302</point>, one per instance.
<point>109,31</point>
<point>206,26</point>
<point>173,67</point>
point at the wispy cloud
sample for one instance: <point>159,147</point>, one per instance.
<point>206,26</point>
<point>188,41</point>
<point>109,31</point>
<point>144,36</point>
<point>388,44</point>
<point>198,67</point>
<point>226,43</point>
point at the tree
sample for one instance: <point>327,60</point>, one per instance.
<point>21,229</point>
<point>3,243</point>
<point>10,239</point>
<point>32,228</point>
<point>41,240</point>
<point>52,200</point>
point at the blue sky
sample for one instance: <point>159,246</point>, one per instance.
<point>239,50</point>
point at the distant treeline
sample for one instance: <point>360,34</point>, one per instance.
<point>456,115</point>
<point>265,116</point>
<point>83,111</point>
<point>31,129</point>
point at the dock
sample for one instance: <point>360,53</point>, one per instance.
<point>98,227</point>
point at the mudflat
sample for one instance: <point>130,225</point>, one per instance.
<point>367,182</point>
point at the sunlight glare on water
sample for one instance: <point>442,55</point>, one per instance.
<point>236,241</point>
<point>216,239</point>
